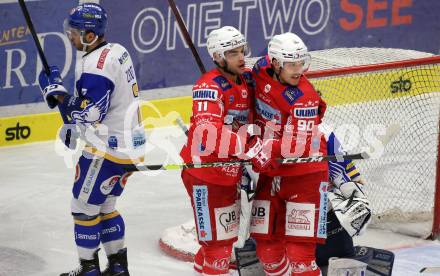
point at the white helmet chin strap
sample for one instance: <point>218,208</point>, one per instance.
<point>85,44</point>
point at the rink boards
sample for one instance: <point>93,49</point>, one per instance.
<point>340,91</point>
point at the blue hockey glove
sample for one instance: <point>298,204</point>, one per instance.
<point>51,86</point>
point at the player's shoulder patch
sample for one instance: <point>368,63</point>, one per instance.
<point>262,62</point>
<point>247,75</point>
<point>123,57</point>
<point>102,58</point>
<point>222,82</point>
<point>205,94</point>
<point>248,78</point>
<point>291,94</point>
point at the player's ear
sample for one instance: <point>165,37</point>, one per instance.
<point>218,59</point>
<point>90,36</point>
<point>276,65</point>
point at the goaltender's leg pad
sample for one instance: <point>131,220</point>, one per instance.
<point>341,266</point>
<point>380,262</point>
<point>248,263</point>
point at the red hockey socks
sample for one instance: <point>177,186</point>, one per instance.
<point>272,256</point>
<point>216,261</point>
<point>198,260</point>
<point>302,259</point>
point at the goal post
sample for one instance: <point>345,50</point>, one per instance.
<point>436,220</point>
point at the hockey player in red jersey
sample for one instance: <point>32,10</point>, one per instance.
<point>221,103</point>
<point>289,209</point>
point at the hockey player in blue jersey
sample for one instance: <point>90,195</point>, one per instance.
<point>104,112</point>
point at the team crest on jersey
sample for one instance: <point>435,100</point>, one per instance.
<point>222,82</point>
<point>291,94</point>
<point>205,95</point>
<point>92,112</point>
<point>244,93</point>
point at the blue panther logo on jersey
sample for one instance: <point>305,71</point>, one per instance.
<point>92,112</point>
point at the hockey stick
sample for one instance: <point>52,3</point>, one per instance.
<point>391,131</point>
<point>182,125</point>
<point>34,35</point>
<point>186,35</point>
<point>430,269</point>
<point>28,19</point>
<point>289,160</point>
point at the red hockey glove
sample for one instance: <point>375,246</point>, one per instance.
<point>263,161</point>
<point>253,146</point>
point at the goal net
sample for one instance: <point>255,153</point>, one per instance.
<point>361,92</point>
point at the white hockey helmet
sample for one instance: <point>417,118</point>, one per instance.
<point>288,47</point>
<point>224,39</point>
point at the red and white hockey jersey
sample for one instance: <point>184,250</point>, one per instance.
<point>220,108</point>
<point>291,115</point>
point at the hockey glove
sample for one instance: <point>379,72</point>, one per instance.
<point>352,208</point>
<point>263,161</point>
<point>253,146</point>
<point>352,189</point>
<point>51,86</point>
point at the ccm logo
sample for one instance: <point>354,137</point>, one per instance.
<point>17,132</point>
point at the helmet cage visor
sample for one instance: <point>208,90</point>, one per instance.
<point>296,58</point>
<point>70,31</point>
